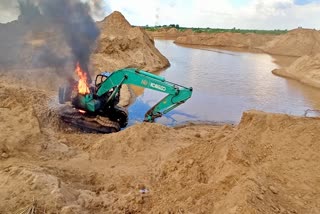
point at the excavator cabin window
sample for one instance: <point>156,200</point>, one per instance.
<point>101,78</point>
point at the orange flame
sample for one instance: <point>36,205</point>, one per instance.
<point>82,111</point>
<point>83,87</point>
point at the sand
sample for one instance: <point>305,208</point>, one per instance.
<point>266,164</point>
<point>269,163</point>
<point>304,44</point>
<point>297,43</point>
<point>248,41</point>
<point>121,45</point>
<point>167,33</point>
<point>305,69</point>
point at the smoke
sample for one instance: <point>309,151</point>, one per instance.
<point>45,57</point>
<point>78,27</point>
<point>72,18</point>
<point>99,9</point>
<point>29,12</point>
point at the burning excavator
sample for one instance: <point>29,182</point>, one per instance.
<point>94,108</point>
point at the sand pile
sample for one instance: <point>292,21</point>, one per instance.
<point>305,69</point>
<point>228,40</point>
<point>169,33</point>
<point>165,33</point>
<point>121,45</point>
<point>266,164</point>
<point>187,32</point>
<point>297,42</point>
<point>303,43</point>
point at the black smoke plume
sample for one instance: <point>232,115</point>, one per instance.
<point>79,28</point>
<point>71,17</point>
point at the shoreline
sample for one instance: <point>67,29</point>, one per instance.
<point>280,60</point>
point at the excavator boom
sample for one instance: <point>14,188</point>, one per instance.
<point>176,94</point>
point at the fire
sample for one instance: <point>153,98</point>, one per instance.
<point>82,111</point>
<point>83,87</point>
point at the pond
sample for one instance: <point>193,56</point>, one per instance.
<point>225,84</point>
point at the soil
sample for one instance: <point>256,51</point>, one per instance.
<point>305,69</point>
<point>168,33</point>
<point>296,43</point>
<point>248,41</point>
<point>266,164</point>
<point>121,45</point>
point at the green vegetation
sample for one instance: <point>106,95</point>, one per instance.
<point>214,30</point>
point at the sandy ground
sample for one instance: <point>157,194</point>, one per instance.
<point>248,41</point>
<point>305,69</point>
<point>169,33</point>
<point>298,42</point>
<point>266,164</point>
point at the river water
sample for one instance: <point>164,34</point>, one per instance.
<point>225,84</point>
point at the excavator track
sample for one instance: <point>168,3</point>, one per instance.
<point>88,123</point>
<point>119,115</point>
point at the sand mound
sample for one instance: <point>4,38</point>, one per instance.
<point>172,31</point>
<point>187,32</point>
<point>298,42</point>
<point>230,40</point>
<point>268,164</point>
<point>305,69</point>
<point>121,45</point>
<point>165,33</point>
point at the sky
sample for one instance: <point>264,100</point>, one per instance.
<point>243,14</point>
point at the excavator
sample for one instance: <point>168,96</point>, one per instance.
<point>97,110</point>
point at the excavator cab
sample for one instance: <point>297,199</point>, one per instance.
<point>101,78</point>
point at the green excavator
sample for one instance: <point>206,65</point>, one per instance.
<point>97,110</point>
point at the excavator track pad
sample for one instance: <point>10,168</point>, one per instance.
<point>86,122</point>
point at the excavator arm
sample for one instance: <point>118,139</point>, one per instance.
<point>176,94</point>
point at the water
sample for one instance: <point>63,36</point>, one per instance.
<point>225,84</point>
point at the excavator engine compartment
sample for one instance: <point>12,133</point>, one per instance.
<point>98,111</point>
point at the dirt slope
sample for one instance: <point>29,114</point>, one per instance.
<point>267,164</point>
<point>297,42</point>
<point>305,69</point>
<point>228,40</point>
<point>304,43</point>
<point>121,45</point>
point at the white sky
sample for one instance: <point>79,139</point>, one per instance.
<point>244,14</point>
<point>249,14</point>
